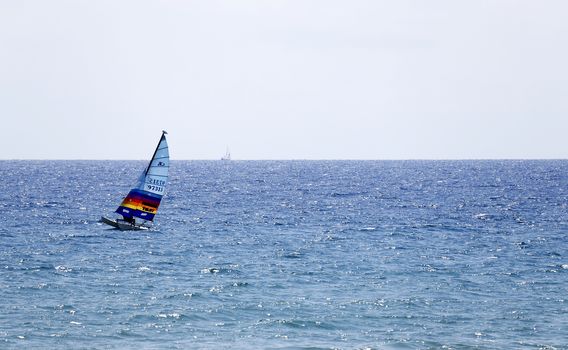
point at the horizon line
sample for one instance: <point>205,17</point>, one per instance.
<point>284,159</point>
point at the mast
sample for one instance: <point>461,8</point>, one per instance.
<point>164,132</point>
<point>227,155</point>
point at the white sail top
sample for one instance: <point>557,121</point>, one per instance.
<point>155,176</point>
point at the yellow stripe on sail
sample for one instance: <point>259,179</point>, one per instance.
<point>139,206</point>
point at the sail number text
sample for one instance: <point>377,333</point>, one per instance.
<point>156,182</point>
<point>155,188</point>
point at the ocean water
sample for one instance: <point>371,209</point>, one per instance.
<point>288,255</point>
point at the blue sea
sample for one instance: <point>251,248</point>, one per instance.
<point>287,255</point>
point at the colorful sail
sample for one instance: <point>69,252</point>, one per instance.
<point>144,199</point>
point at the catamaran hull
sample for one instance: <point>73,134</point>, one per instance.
<point>123,226</point>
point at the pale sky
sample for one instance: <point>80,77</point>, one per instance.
<point>299,79</point>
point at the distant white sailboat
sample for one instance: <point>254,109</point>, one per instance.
<point>227,155</point>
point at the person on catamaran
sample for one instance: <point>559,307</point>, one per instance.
<point>130,220</point>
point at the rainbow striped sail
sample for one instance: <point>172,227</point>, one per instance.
<point>144,199</point>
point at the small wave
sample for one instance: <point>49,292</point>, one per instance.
<point>183,296</point>
<point>127,332</point>
<point>140,318</point>
<point>58,335</point>
<point>61,268</point>
<point>522,245</point>
<point>347,194</point>
<point>230,268</point>
<point>174,315</point>
<point>239,284</point>
<point>482,216</point>
<point>292,255</point>
<point>210,270</point>
<point>48,204</point>
<point>216,289</point>
<point>298,323</point>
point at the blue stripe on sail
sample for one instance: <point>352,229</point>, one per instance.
<point>129,213</point>
<point>146,193</point>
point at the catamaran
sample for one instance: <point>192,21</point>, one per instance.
<point>143,200</point>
